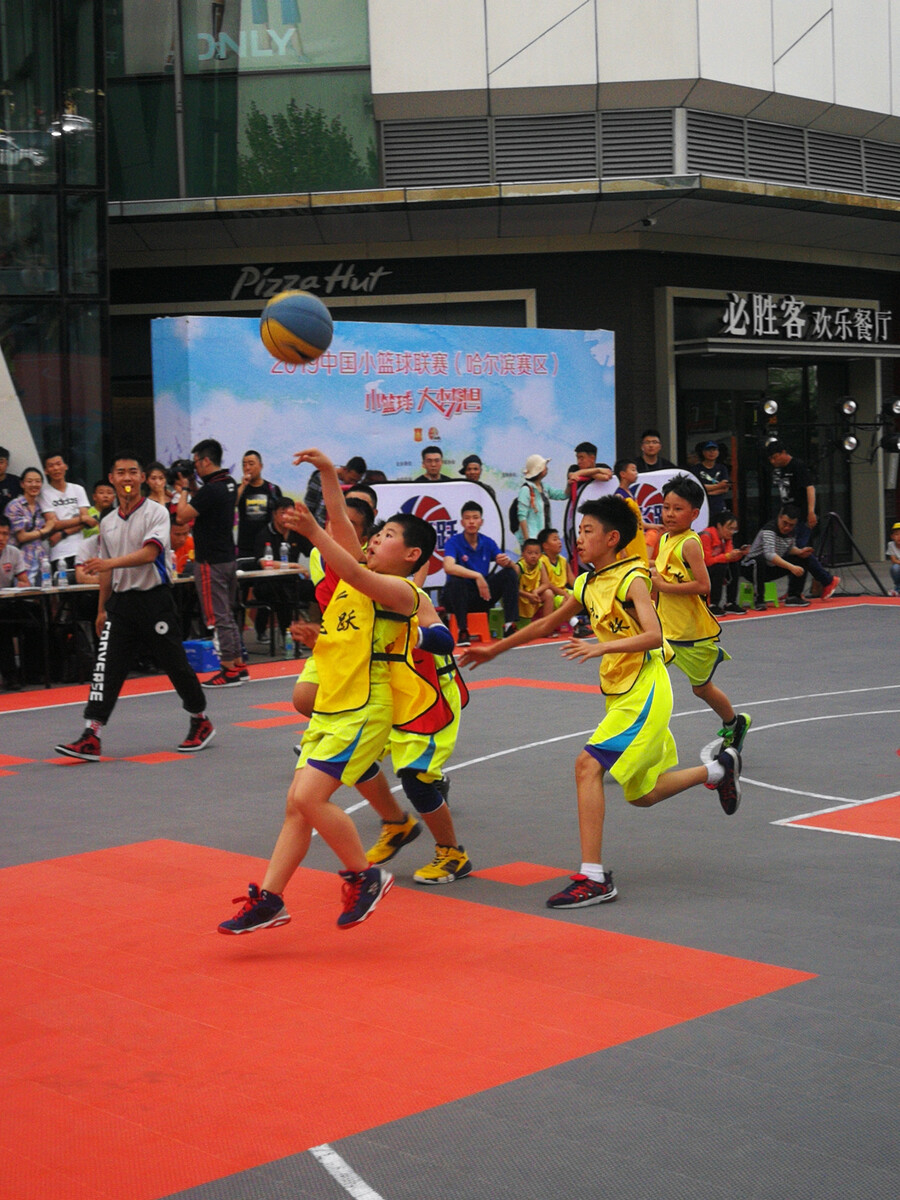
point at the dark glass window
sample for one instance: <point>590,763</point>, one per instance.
<point>28,245</point>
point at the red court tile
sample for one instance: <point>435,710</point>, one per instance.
<point>10,760</point>
<point>141,1036</point>
<point>879,818</point>
<point>9,772</point>
<point>156,756</point>
<point>520,874</point>
<point>272,722</point>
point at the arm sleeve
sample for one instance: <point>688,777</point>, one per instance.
<point>436,639</point>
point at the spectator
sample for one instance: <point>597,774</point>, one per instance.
<point>158,484</point>
<point>349,476</point>
<point>650,457</point>
<point>721,560</point>
<point>30,528</point>
<point>893,556</point>
<point>103,497</point>
<point>586,466</point>
<point>68,502</point>
<point>10,485</point>
<point>714,476</point>
<point>767,559</point>
<point>182,548</point>
<point>182,482</point>
<point>558,574</point>
<point>794,484</point>
<point>471,586</point>
<point>13,573</point>
<point>432,463</point>
<point>283,593</point>
<point>255,503</point>
<point>533,501</point>
<point>471,469</point>
<point>211,509</point>
<point>535,594</point>
<point>136,613</point>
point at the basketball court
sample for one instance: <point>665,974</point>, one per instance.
<point>727,1028</point>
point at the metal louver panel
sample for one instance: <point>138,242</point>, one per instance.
<point>776,152</point>
<point>551,147</point>
<point>835,161</point>
<point>882,168</point>
<point>637,142</point>
<point>436,153</point>
<point>715,143</point>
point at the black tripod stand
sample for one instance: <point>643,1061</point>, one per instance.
<point>826,547</point>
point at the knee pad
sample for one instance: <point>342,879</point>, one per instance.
<point>424,797</point>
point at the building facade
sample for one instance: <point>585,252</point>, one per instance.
<point>718,183</point>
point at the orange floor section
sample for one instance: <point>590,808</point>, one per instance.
<point>881,818</point>
<point>143,1053</point>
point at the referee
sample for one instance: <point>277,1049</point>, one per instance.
<point>136,612</point>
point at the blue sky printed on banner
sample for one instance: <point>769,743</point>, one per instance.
<point>385,391</point>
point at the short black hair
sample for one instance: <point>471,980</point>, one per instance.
<point>124,456</point>
<point>356,464</point>
<point>367,490</point>
<point>417,534</point>
<point>433,450</point>
<point>613,514</point>
<point>531,542</point>
<point>471,506</point>
<point>282,502</point>
<point>621,464</point>
<point>775,447</point>
<point>99,483</point>
<point>256,452</point>
<point>28,470</point>
<point>5,522</point>
<point>685,487</point>
<point>723,517</point>
<point>791,511</point>
<point>56,452</point>
<point>651,433</point>
<point>208,448</point>
<point>361,506</point>
<point>4,453</point>
<point>585,448</point>
<point>156,466</point>
<point>545,533</point>
<point>181,466</point>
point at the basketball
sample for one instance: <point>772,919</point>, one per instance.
<point>296,327</point>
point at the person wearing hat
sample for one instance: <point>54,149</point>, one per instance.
<point>715,478</point>
<point>471,470</point>
<point>893,557</point>
<point>533,508</point>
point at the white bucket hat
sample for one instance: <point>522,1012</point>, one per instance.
<point>534,465</point>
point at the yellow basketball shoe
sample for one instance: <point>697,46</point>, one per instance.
<point>449,863</point>
<point>393,837</point>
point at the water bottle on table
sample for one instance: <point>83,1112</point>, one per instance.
<point>283,554</point>
<point>268,556</point>
<point>46,574</point>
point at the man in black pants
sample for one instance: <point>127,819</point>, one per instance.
<point>136,611</point>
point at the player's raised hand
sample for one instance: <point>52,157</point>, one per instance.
<point>580,651</point>
<point>317,458</point>
<point>300,519</point>
<point>472,656</point>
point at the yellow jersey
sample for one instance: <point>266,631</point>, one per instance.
<point>604,594</point>
<point>685,618</point>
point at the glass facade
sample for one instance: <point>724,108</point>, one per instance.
<point>254,97</point>
<point>53,270</point>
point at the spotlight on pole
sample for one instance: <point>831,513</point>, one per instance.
<point>848,406</point>
<point>850,443</point>
<point>770,407</point>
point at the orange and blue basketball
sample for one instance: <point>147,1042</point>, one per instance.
<point>296,327</point>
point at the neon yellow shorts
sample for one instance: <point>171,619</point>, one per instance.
<point>633,741</point>
<point>345,745</point>
<point>560,600</point>
<point>698,660</point>
<point>527,608</point>
<point>426,753</point>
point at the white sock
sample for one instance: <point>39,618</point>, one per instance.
<point>731,724</point>
<point>593,871</point>
<point>715,773</point>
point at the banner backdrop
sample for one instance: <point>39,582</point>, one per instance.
<point>647,493</point>
<point>386,391</point>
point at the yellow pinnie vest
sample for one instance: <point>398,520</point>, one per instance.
<point>604,594</point>
<point>529,580</point>
<point>684,618</point>
<point>360,644</point>
<point>556,573</point>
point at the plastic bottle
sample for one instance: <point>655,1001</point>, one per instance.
<point>288,645</point>
<point>62,576</point>
<point>283,553</point>
<point>267,557</point>
<point>46,574</point>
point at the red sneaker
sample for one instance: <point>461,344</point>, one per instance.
<point>829,589</point>
<point>200,734</point>
<point>87,747</point>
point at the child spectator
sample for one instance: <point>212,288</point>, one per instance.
<point>719,554</point>
<point>534,596</point>
<point>370,614</point>
<point>633,741</point>
<point>625,470</point>
<point>681,583</point>
<point>893,556</point>
<point>103,498</point>
<point>558,573</point>
<point>182,548</point>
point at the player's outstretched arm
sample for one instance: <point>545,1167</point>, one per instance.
<point>542,627</point>
<point>341,526</point>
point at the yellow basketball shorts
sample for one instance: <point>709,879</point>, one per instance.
<point>425,753</point>
<point>633,741</point>
<point>345,745</point>
<point>698,660</point>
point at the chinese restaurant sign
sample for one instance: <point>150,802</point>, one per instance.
<point>763,315</point>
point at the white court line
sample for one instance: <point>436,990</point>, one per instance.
<point>341,1171</point>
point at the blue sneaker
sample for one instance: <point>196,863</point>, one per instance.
<point>361,892</point>
<point>262,910</point>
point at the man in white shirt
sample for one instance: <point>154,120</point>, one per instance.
<point>69,503</point>
<point>136,612</point>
